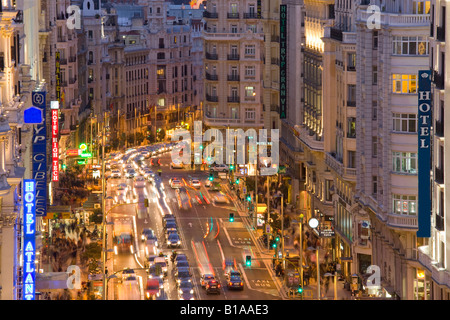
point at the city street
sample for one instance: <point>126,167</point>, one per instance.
<point>207,237</point>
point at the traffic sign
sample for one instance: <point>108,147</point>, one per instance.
<point>244,190</point>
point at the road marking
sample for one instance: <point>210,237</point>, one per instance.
<point>245,276</point>
<point>228,236</point>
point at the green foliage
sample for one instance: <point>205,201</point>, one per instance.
<point>93,252</point>
<point>97,216</point>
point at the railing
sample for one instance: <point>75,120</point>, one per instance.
<point>210,15</point>
<point>275,107</point>
<point>213,77</point>
<point>351,135</point>
<point>233,77</point>
<point>333,163</point>
<point>439,128</point>
<point>250,15</point>
<point>336,34</point>
<point>351,103</point>
<point>233,56</point>
<point>211,56</point>
<point>402,221</point>
<point>72,80</point>
<point>212,98</point>
<point>275,61</point>
<point>351,68</point>
<point>397,19</point>
<point>274,38</point>
<point>440,33</point>
<point>73,59</point>
<point>233,15</point>
<point>233,99</point>
<point>439,175</point>
<point>439,222</point>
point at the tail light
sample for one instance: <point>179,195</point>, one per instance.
<point>242,283</point>
<point>230,284</point>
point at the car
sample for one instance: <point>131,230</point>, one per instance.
<point>150,260</point>
<point>232,273</point>
<point>228,266</point>
<point>212,286</point>
<point>147,173</point>
<point>121,196</point>
<point>186,290</point>
<point>152,289</point>
<point>167,218</point>
<point>147,233</point>
<point>183,274</point>
<point>128,166</point>
<point>162,263</point>
<point>220,198</point>
<point>205,278</point>
<point>176,184</point>
<point>177,165</point>
<point>115,174</point>
<point>128,273</point>
<point>215,186</point>
<point>130,174</point>
<point>139,182</point>
<point>235,282</point>
<point>181,264</point>
<point>208,183</point>
<point>171,225</point>
<point>219,168</point>
<point>195,183</point>
<point>181,257</point>
<point>173,240</point>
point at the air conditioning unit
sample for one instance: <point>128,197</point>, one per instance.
<point>97,206</point>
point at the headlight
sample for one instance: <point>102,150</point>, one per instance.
<point>179,242</point>
<point>168,242</point>
<point>192,298</point>
<point>192,291</point>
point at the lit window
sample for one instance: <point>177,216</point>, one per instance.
<point>404,162</point>
<point>404,83</point>
<point>250,91</point>
<point>404,204</point>
<point>410,45</point>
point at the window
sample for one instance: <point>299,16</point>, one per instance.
<point>421,7</point>
<point>250,50</point>
<point>250,91</point>
<point>374,147</point>
<point>404,83</point>
<point>250,71</point>
<point>410,45</point>
<point>234,8</point>
<point>252,27</point>
<point>351,159</point>
<point>375,40</point>
<point>404,122</point>
<point>374,185</point>
<point>351,95</point>
<point>404,162</point>
<point>250,114</point>
<point>404,204</point>
<point>351,127</point>
<point>234,113</point>
<point>374,74</point>
<point>234,28</point>
<point>90,34</point>
<point>374,110</point>
<point>351,63</point>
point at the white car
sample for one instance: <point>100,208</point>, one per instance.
<point>130,174</point>
<point>176,184</point>
<point>177,165</point>
<point>139,182</point>
<point>196,183</point>
<point>220,198</point>
<point>220,168</point>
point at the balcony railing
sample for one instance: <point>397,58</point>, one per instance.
<point>439,129</point>
<point>336,34</point>
<point>440,33</point>
<point>351,103</point>
<point>210,15</point>
<point>213,77</point>
<point>351,68</point>
<point>211,56</point>
<point>62,62</point>
<point>438,80</point>
<point>233,77</point>
<point>233,56</point>
<point>274,38</point>
<point>439,222</point>
<point>275,108</point>
<point>73,59</point>
<point>233,15</point>
<point>72,80</point>
<point>250,15</point>
<point>233,99</point>
<point>212,98</point>
<point>275,61</point>
<point>402,221</point>
<point>439,175</point>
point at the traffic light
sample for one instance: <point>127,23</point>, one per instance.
<point>237,181</point>
<point>300,290</point>
<point>277,238</point>
<point>273,244</point>
<point>146,202</point>
<point>211,176</point>
<point>231,167</point>
<point>249,198</point>
<point>231,218</point>
<point>248,261</point>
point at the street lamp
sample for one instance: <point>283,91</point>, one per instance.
<point>282,225</point>
<point>328,274</point>
<point>318,270</point>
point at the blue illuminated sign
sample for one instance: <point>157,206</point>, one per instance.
<point>424,155</point>
<point>32,115</point>
<point>40,155</point>
<point>29,239</point>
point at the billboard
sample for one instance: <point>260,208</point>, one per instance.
<point>424,155</point>
<point>39,160</point>
<point>29,239</point>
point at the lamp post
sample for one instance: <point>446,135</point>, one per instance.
<point>282,227</point>
<point>318,270</point>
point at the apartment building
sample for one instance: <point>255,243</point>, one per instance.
<point>388,58</point>
<point>433,277</point>
<point>233,64</point>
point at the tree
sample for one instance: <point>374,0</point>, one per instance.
<point>92,251</point>
<point>97,216</point>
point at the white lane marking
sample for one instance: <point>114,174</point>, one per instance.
<point>141,287</point>
<point>244,276</point>
<point>228,236</point>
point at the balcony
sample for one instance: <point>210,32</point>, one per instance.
<point>63,83</point>
<point>439,129</point>
<point>351,103</point>
<point>72,80</point>
<point>250,15</point>
<point>396,19</point>
<point>275,61</point>
<point>212,77</point>
<point>233,15</point>
<point>351,68</point>
<point>275,108</point>
<point>233,56</point>
<point>211,56</point>
<point>400,221</point>
<point>233,99</point>
<point>73,59</point>
<point>440,222</point>
<point>62,62</point>
<point>438,80</point>
<point>233,77</point>
<point>336,34</point>
<point>212,98</point>
<point>440,33</point>
<point>439,175</point>
<point>334,163</point>
<point>274,38</point>
<point>210,15</point>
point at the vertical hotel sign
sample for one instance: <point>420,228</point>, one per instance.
<point>424,154</point>
<point>54,106</point>
<point>29,239</point>
<point>283,55</point>
<point>40,154</point>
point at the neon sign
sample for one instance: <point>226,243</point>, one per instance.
<point>29,237</point>
<point>54,105</point>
